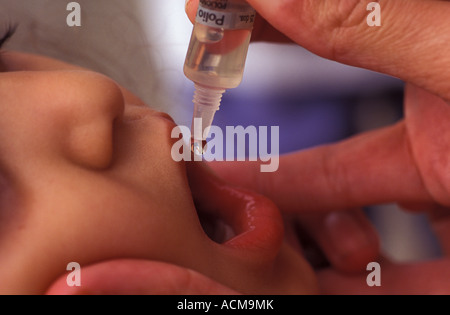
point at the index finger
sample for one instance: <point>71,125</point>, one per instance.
<point>372,168</point>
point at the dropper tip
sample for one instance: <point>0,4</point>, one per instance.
<point>198,147</point>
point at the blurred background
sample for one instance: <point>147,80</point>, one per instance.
<point>142,45</point>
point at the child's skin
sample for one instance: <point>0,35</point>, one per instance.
<point>87,176</point>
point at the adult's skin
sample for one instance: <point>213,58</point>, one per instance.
<point>407,163</point>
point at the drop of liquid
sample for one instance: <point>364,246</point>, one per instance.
<point>199,147</point>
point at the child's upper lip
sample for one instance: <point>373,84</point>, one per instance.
<point>255,220</point>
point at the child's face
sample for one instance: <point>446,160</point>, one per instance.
<point>86,175</point>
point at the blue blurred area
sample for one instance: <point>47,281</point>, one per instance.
<point>303,122</point>
<point>315,116</point>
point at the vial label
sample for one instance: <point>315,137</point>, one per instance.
<point>226,20</point>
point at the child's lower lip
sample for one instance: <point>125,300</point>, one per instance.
<point>255,220</point>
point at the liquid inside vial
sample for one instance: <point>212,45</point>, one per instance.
<point>216,57</point>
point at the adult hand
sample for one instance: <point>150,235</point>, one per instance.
<point>428,277</point>
<point>407,163</point>
<point>409,44</point>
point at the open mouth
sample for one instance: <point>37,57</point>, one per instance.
<point>233,216</point>
<point>215,227</point>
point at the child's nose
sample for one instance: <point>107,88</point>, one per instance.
<point>67,114</point>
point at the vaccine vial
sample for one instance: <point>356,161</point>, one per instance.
<point>216,58</point>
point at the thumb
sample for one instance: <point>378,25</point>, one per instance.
<point>191,7</point>
<point>408,44</point>
<point>139,277</point>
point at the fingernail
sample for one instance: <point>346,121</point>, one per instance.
<point>347,234</point>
